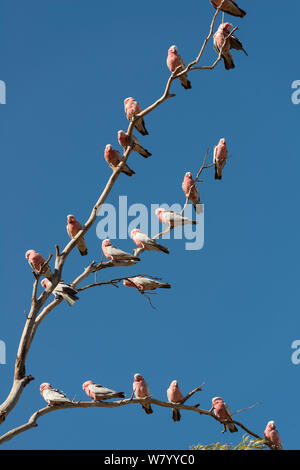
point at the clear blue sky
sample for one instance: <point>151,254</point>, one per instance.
<point>233,309</point>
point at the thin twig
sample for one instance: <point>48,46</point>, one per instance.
<point>190,394</point>
<point>248,408</point>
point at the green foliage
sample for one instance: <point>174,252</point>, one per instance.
<point>247,443</point>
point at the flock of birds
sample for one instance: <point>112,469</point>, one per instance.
<point>113,158</point>
<point>222,39</point>
<point>167,217</point>
<point>141,390</point>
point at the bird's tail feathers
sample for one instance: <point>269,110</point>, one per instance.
<point>165,285</point>
<point>198,208</point>
<point>148,409</point>
<point>185,82</point>
<point>218,176</point>
<point>176,415</point>
<point>163,248</point>
<point>232,427</point>
<point>128,171</point>
<point>143,152</point>
<point>228,61</point>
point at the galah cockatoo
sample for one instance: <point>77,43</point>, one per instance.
<point>67,292</point>
<point>272,436</point>
<point>53,396</point>
<point>113,158</point>
<point>230,7</point>
<point>220,157</point>
<point>136,145</point>
<point>174,60</point>
<point>98,392</point>
<point>144,283</point>
<point>73,227</point>
<point>146,243</point>
<point>232,43</point>
<point>175,396</point>
<point>172,219</point>
<point>115,254</point>
<point>188,185</point>
<point>141,390</point>
<point>132,108</point>
<point>222,411</point>
<point>36,261</point>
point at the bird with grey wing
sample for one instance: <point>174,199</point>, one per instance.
<point>98,392</point>
<point>62,290</point>
<point>53,396</point>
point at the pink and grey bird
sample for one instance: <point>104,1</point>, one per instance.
<point>113,158</point>
<point>191,191</point>
<point>141,390</point>
<point>136,145</point>
<point>220,157</point>
<point>175,396</point>
<point>272,436</point>
<point>36,261</point>
<point>231,43</point>
<point>172,219</point>
<point>230,7</point>
<point>98,392</point>
<point>53,396</point>
<point>62,290</point>
<point>73,227</point>
<point>144,283</point>
<point>175,61</point>
<point>222,411</point>
<point>142,240</point>
<point>132,108</point>
<point>115,254</point>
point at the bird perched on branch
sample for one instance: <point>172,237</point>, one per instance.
<point>146,243</point>
<point>174,60</point>
<point>53,396</point>
<point>115,254</point>
<point>141,390</point>
<point>132,108</point>
<point>220,157</point>
<point>175,396</point>
<point>137,147</point>
<point>67,292</point>
<point>222,411</point>
<point>113,158</point>
<point>190,190</point>
<point>36,262</point>
<point>98,392</point>
<point>172,219</point>
<point>73,227</point>
<point>232,42</point>
<point>230,7</point>
<point>144,283</point>
<point>272,436</point>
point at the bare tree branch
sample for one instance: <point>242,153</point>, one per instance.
<point>39,310</point>
<point>32,422</point>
